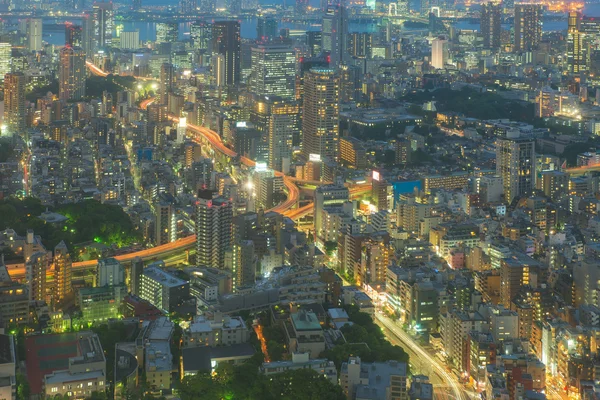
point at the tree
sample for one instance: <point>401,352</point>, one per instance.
<point>23,389</point>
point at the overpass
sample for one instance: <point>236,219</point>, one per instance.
<point>575,171</point>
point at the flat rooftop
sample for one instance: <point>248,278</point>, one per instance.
<point>163,277</point>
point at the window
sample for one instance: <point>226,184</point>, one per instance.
<point>54,390</point>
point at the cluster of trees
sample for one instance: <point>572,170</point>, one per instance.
<point>246,382</point>
<point>37,92</point>
<point>96,85</point>
<point>87,220</point>
<point>7,149</point>
<point>364,339</point>
<point>474,104</point>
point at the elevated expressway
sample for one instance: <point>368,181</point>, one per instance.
<point>206,136</point>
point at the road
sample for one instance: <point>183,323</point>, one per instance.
<point>445,384</point>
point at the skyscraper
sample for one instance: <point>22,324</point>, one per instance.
<point>360,44</point>
<point>14,102</point>
<point>243,264</point>
<point>213,229</point>
<point>278,119</point>
<point>335,29</point>
<point>34,34</point>
<point>320,123</point>
<point>88,34</point>
<point>226,47</point>
<point>71,74</point>
<point>491,29</point>
<point>314,41</point>
<point>63,267</point>
<point>266,29</point>
<point>137,267</point>
<point>207,6</point>
<point>5,57</point>
<point>36,267</point>
<point>165,223</point>
<point>167,77</point>
<point>575,51</point>
<point>528,26</point>
<point>439,53</point>
<point>167,32</point>
<point>201,34</point>
<point>301,7</point>
<point>73,35</point>
<point>273,70</point>
<point>103,23</point>
<point>188,7</point>
<point>515,164</point>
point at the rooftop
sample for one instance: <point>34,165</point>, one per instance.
<point>305,321</point>
<point>199,358</point>
<point>158,356</point>
<point>164,278</point>
<point>66,376</point>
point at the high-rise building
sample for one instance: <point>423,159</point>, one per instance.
<point>167,32</point>
<point>5,59</point>
<point>165,223</point>
<point>320,123</point>
<point>266,29</point>
<point>576,59</point>
<point>36,267</point>
<point>137,267</point>
<point>130,40</point>
<point>515,164</point>
<point>301,7</point>
<point>491,18</point>
<point>213,229</point>
<point>14,102</point>
<point>273,71</point>
<point>167,78</point>
<point>528,26</point>
<point>201,35</point>
<point>188,7</point>
<point>110,272</point>
<point>71,74</point>
<point>162,289</point>
<point>360,44</point>
<point>63,270</point>
<point>277,118</point>
<point>226,47</point>
<point>103,23</point>
<point>314,41</point>
<point>244,262</point>
<point>73,35</point>
<point>335,29</point>
<point>34,34</point>
<point>207,6</point>
<point>327,196</point>
<point>439,53</point>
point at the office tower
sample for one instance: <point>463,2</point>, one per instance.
<point>110,272</point>
<point>327,196</point>
<point>234,6</point>
<point>34,34</point>
<point>335,29</point>
<point>165,223</point>
<point>439,53</point>
<point>266,29</point>
<point>137,267</point>
<point>273,71</point>
<point>360,44</point>
<point>213,229</point>
<point>528,26</point>
<point>306,64</point>
<point>188,7</point>
<point>320,119</point>
<point>379,191</point>
<point>36,267</point>
<point>73,35</point>
<point>201,35</point>
<point>266,186</point>
<point>207,6</point>
<point>278,119</point>
<point>515,164</point>
<point>5,57</point>
<point>103,23</point>
<point>167,79</point>
<point>14,102</point>
<point>88,34</point>
<point>167,32</point>
<point>515,272</point>
<point>161,289</point>
<point>314,41</point>
<point>130,40</point>
<point>575,51</point>
<point>71,74</point>
<point>226,47</point>
<point>491,18</point>
<point>301,7</point>
<point>63,271</point>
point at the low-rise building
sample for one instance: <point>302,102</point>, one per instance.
<point>302,361</point>
<point>207,359</point>
<point>378,380</point>
<point>215,330</point>
<point>304,333</point>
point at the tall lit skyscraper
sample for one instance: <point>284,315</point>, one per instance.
<point>266,29</point>
<point>213,229</point>
<point>103,23</point>
<point>73,35</point>
<point>167,32</point>
<point>34,34</point>
<point>279,120</point>
<point>207,6</point>
<point>14,102</point>
<point>5,59</point>
<point>515,164</point>
<point>439,53</point>
<point>491,17</point>
<point>188,7</point>
<point>528,26</point>
<point>226,46</point>
<point>88,34</point>
<point>273,70</point>
<point>359,44</point>
<point>575,50</point>
<point>335,29</point>
<point>63,270</point>
<point>71,73</point>
<point>321,112</point>
<point>201,34</point>
<point>167,77</point>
